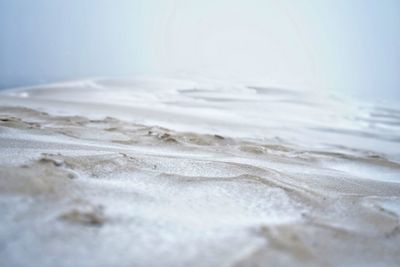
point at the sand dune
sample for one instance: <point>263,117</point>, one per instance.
<point>147,172</point>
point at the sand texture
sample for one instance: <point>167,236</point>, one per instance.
<point>148,172</point>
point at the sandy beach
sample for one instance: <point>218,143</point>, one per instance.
<point>167,172</point>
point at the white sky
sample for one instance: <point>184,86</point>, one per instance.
<point>339,44</point>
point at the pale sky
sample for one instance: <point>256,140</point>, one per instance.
<point>345,45</point>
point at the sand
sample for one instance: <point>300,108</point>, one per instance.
<point>161,172</point>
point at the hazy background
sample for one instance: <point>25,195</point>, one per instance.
<point>341,45</point>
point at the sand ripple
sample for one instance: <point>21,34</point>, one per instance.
<point>79,190</point>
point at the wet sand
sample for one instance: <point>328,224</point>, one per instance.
<point>179,173</point>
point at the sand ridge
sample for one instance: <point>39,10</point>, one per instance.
<point>236,202</point>
<point>144,183</point>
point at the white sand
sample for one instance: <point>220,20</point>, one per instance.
<point>147,172</point>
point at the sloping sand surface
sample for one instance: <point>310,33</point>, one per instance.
<point>145,173</point>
